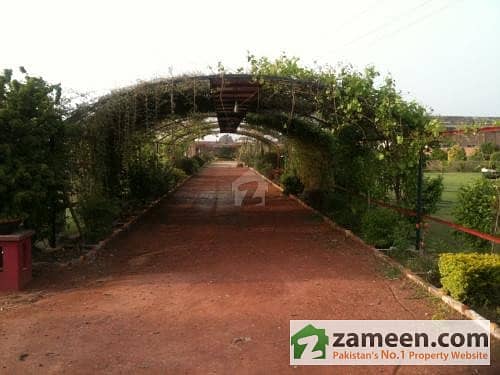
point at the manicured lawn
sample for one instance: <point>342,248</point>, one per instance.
<point>452,182</point>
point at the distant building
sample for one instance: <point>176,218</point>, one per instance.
<point>456,124</point>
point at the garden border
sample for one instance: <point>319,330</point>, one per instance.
<point>458,306</point>
<point>91,254</point>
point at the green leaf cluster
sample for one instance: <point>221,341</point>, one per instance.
<point>472,278</point>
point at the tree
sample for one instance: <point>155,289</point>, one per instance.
<point>33,170</point>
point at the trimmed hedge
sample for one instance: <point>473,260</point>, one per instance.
<point>472,278</point>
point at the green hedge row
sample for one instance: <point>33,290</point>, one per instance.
<point>472,278</point>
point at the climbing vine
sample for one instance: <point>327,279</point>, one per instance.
<point>333,127</point>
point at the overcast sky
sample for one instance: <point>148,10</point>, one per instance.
<point>443,53</point>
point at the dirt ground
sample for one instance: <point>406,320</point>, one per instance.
<point>201,286</point>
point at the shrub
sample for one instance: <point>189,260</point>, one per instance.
<point>471,278</point>
<point>199,160</point>
<point>227,153</point>
<point>188,165</point>
<point>177,175</point>
<point>476,209</point>
<point>439,154</point>
<point>487,149</point>
<point>383,228</point>
<point>292,184</point>
<point>495,159</point>
<point>319,199</point>
<point>346,209</point>
<point>149,179</point>
<point>477,156</point>
<point>432,189</point>
<point>264,167</point>
<point>495,156</point>
<point>271,158</point>
<point>456,152</point>
<point>98,213</point>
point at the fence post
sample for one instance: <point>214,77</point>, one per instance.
<point>418,230</point>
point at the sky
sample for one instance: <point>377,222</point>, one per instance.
<point>445,54</point>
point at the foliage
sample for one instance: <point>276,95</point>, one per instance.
<point>438,154</point>
<point>226,152</point>
<point>487,149</point>
<point>456,153</point>
<point>432,190</point>
<point>373,135</point>
<point>477,156</point>
<point>188,165</point>
<point>149,179</point>
<point>291,184</point>
<point>259,155</point>
<point>471,278</point>
<point>33,169</point>
<point>177,175</point>
<point>382,228</point>
<point>495,159</point>
<point>98,213</point>
<point>342,127</point>
<point>477,208</point>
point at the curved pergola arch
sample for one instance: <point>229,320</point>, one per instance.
<point>228,97</point>
<point>306,109</point>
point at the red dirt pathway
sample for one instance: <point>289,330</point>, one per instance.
<point>203,286</point>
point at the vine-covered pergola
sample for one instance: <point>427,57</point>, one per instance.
<point>339,127</point>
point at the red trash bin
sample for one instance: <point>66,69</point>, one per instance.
<point>15,260</point>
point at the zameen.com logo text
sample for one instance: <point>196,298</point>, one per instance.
<point>389,342</point>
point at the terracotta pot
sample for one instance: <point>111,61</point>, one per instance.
<point>9,226</point>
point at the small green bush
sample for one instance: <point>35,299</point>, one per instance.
<point>264,167</point>
<point>149,180</point>
<point>495,156</point>
<point>472,278</point>
<point>432,191</point>
<point>456,153</point>
<point>476,209</point>
<point>178,175</point>
<point>292,184</point>
<point>188,165</point>
<point>383,228</point>
<point>439,154</point>
<point>98,213</point>
<point>487,149</point>
<point>199,160</point>
<point>495,159</point>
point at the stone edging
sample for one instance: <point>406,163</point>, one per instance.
<point>91,254</point>
<point>453,303</point>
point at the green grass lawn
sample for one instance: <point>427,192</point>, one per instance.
<point>438,237</point>
<point>452,182</point>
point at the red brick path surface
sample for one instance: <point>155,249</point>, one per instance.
<point>201,286</point>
